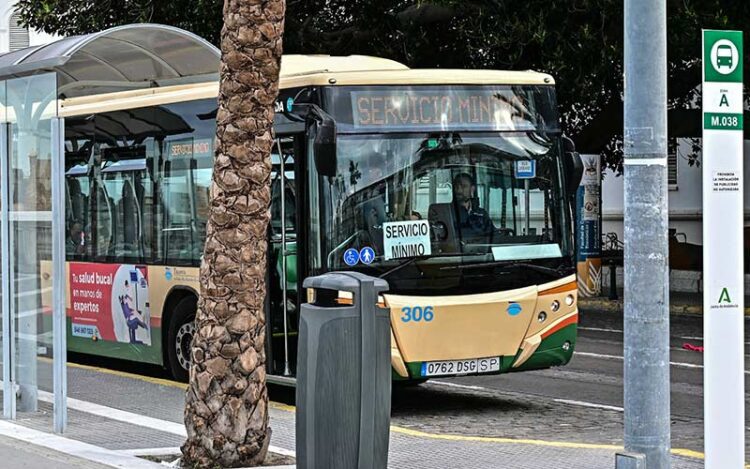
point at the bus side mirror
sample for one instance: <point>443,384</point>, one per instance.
<point>573,166</point>
<point>324,144</point>
<point>324,147</point>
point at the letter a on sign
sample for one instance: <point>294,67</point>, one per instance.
<point>724,296</point>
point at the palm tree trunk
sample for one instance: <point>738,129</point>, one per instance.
<point>226,412</point>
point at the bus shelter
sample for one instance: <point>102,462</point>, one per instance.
<point>35,200</point>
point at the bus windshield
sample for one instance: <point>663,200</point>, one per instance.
<point>456,198</point>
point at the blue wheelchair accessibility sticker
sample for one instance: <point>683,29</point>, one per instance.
<point>367,255</point>
<point>351,257</point>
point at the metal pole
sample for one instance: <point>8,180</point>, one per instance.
<point>646,318</point>
<point>26,225</point>
<point>527,215</point>
<point>282,254</point>
<point>59,352</point>
<point>9,395</point>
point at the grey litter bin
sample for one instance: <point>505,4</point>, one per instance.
<point>343,375</point>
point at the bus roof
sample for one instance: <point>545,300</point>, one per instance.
<point>310,70</point>
<point>322,70</point>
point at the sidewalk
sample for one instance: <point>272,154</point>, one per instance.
<point>16,453</point>
<point>144,417</point>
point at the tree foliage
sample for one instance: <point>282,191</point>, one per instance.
<point>579,42</point>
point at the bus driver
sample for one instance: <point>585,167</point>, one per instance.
<point>472,222</point>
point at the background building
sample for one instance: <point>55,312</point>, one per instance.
<point>685,215</point>
<point>13,36</point>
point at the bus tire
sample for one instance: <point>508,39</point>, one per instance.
<point>181,330</point>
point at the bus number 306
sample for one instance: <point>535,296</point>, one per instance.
<point>417,313</point>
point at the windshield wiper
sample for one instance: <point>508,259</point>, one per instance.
<point>539,268</point>
<point>399,267</point>
<point>414,259</point>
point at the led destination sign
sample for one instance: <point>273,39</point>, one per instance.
<point>487,108</point>
<point>195,148</point>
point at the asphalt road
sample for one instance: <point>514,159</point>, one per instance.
<point>593,380</point>
<point>594,375</point>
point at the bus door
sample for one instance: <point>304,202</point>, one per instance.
<point>283,284</point>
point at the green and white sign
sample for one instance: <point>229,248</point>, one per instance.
<point>723,264</point>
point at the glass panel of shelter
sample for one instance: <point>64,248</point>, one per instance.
<point>29,105</point>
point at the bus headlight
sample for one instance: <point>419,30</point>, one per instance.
<point>569,300</point>
<point>566,345</point>
<point>542,317</point>
<point>555,306</point>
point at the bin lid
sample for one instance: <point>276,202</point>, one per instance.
<point>344,281</point>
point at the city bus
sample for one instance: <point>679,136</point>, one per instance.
<point>455,186</point>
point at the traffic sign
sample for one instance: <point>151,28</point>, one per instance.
<point>351,257</point>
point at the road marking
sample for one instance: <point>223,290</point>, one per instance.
<point>459,386</point>
<point>590,404</point>
<point>617,357</point>
<point>599,329</point>
<point>73,448</point>
<point>619,331</point>
<point>561,401</point>
<point>150,451</point>
<point>554,444</point>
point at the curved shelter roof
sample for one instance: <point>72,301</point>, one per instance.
<point>121,58</point>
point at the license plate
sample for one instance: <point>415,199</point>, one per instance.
<point>461,367</point>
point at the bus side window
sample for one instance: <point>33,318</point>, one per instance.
<point>177,229</point>
<point>144,192</point>
<point>201,194</point>
<point>127,215</point>
<point>103,225</point>
<point>77,220</point>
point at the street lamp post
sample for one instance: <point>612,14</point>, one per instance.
<point>646,321</point>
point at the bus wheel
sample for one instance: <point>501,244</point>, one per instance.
<point>181,330</point>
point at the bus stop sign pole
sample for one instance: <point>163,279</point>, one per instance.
<point>723,262</point>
